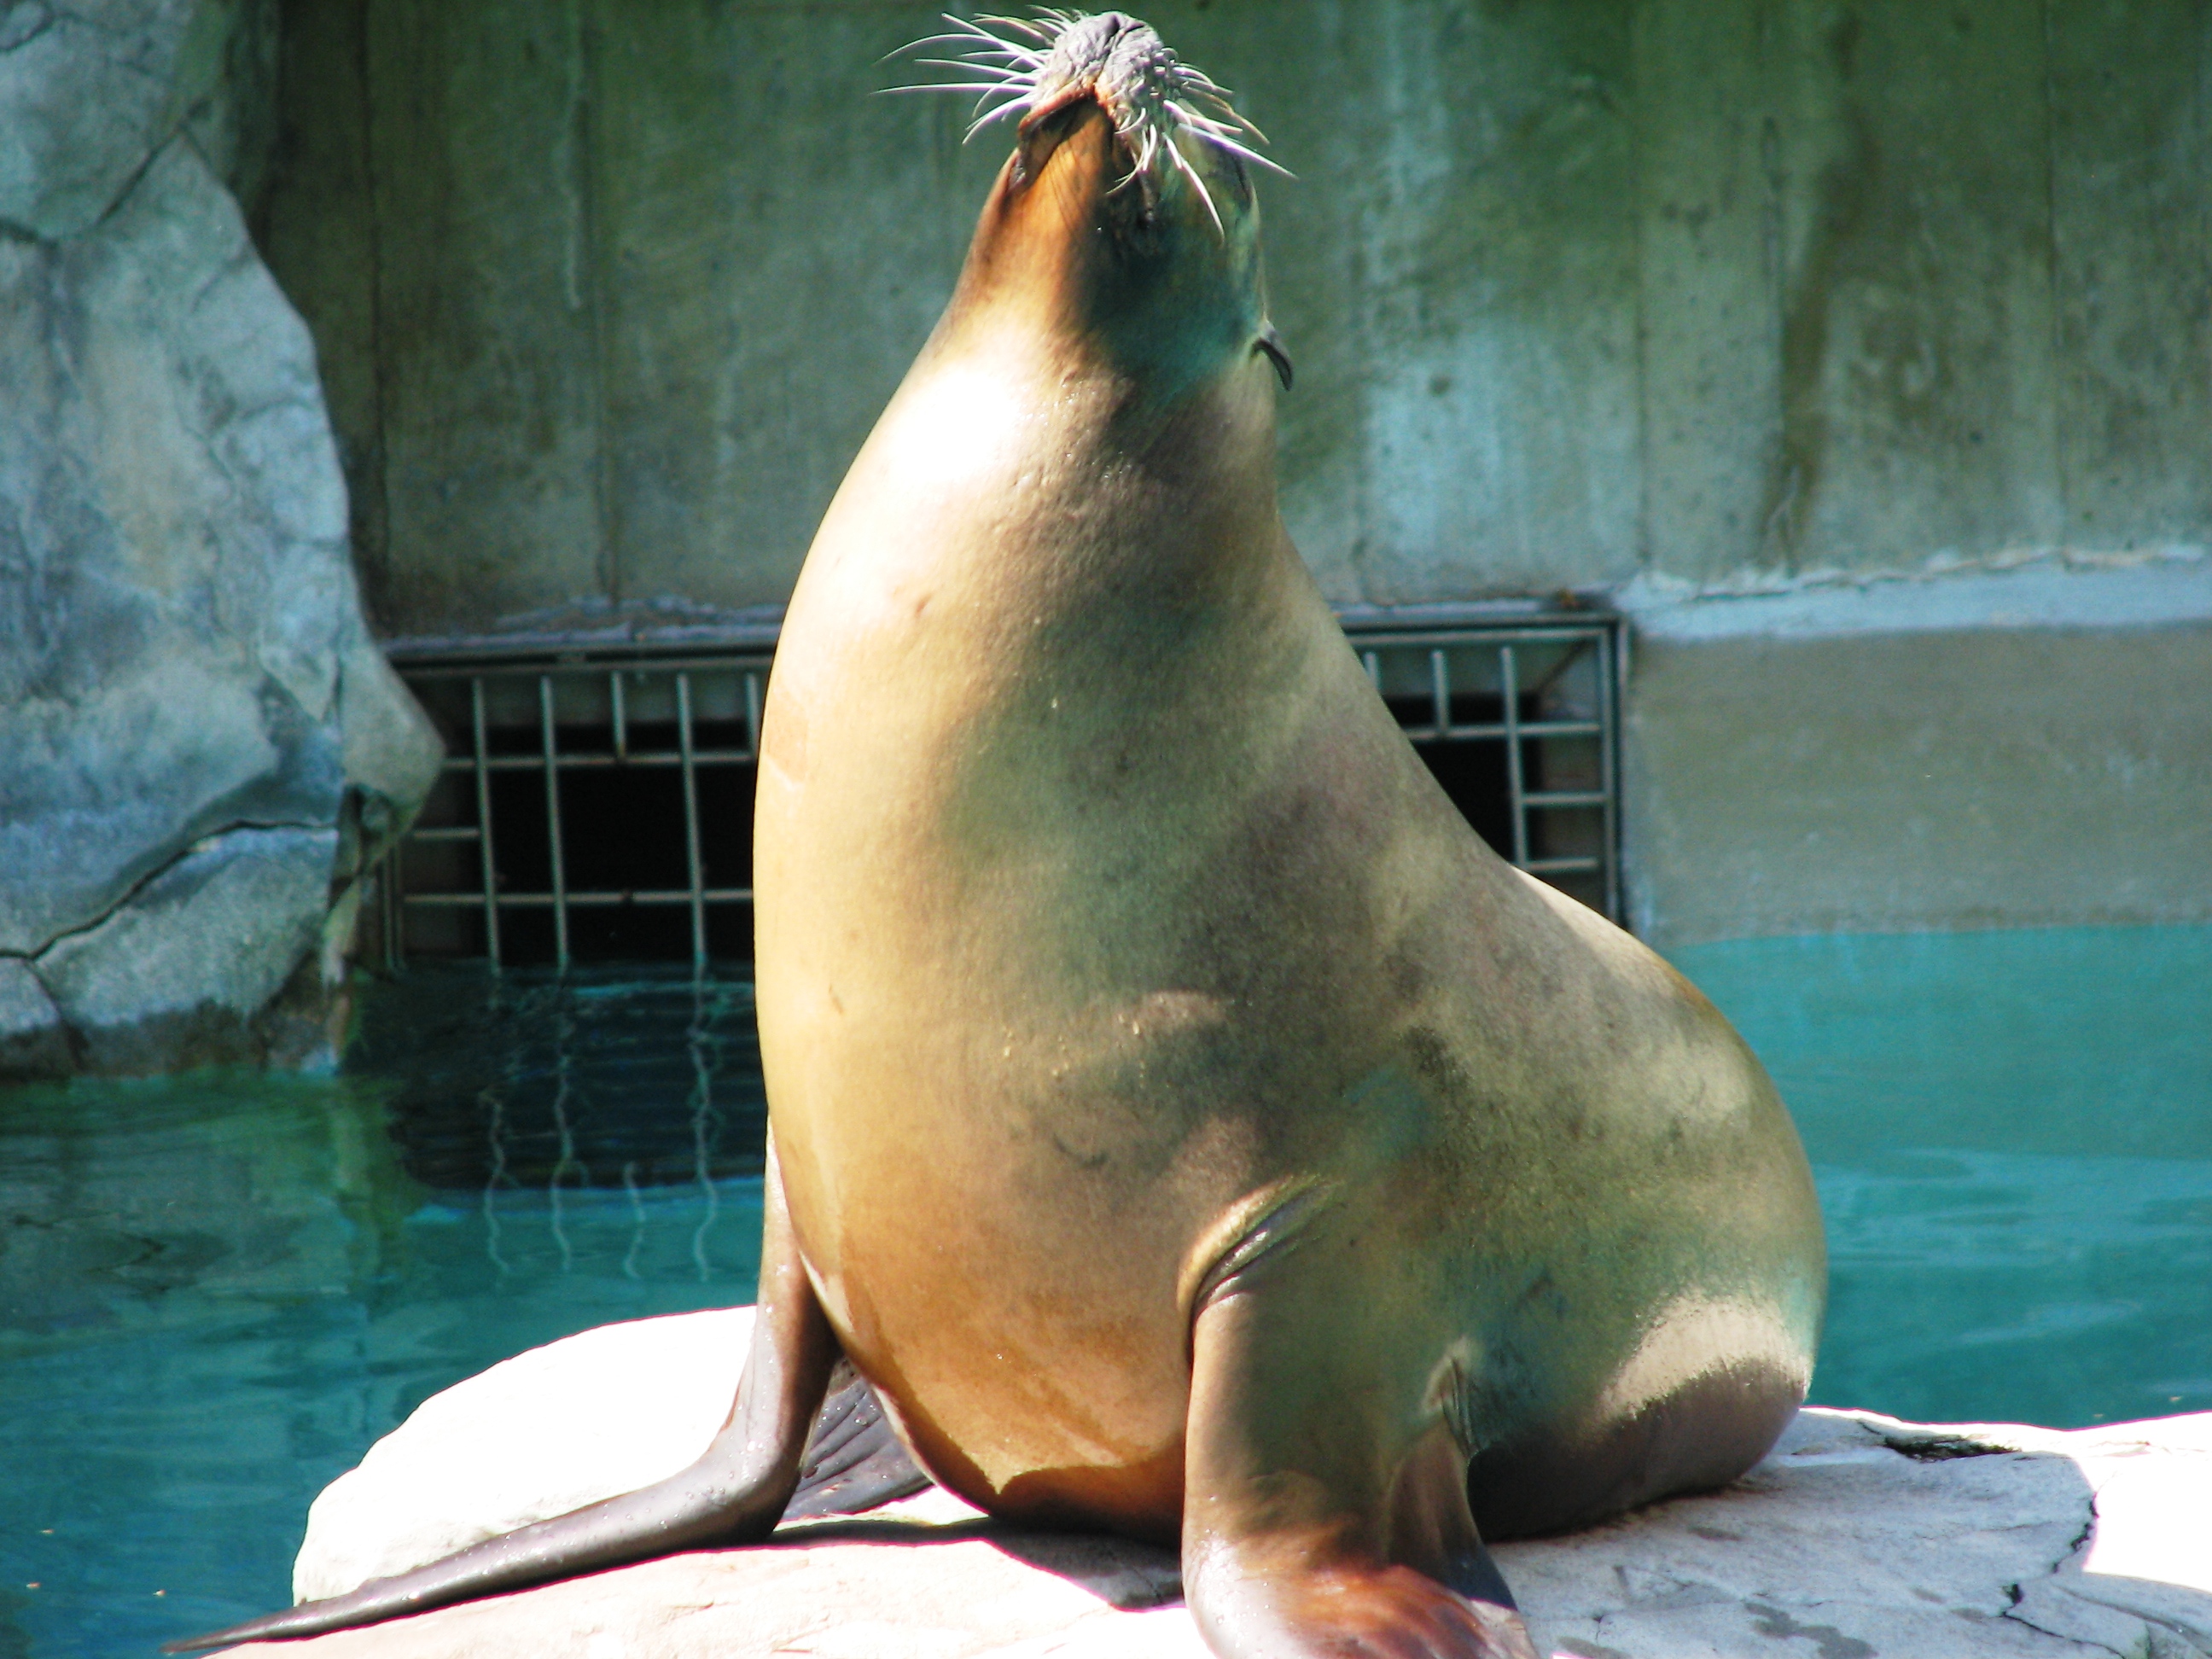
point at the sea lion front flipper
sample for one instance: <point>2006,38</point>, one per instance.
<point>733,1493</point>
<point>1322,1516</point>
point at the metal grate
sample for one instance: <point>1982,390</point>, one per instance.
<point>598,805</point>
<point>582,802</point>
<point>1518,719</point>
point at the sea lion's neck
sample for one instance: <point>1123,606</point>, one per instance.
<point>1089,433</point>
<point>1014,506</point>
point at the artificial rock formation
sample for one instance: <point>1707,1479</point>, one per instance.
<point>1859,1536</point>
<point>201,748</point>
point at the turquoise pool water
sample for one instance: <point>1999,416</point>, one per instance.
<point>2012,1134</point>
<point>216,1291</point>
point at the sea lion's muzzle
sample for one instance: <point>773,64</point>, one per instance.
<point>1126,208</point>
<point>1041,71</point>
<point>1043,132</point>
<point>1113,58</point>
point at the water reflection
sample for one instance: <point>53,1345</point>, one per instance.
<point>216,1289</point>
<point>532,1079</point>
<point>136,1205</point>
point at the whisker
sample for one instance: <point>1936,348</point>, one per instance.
<point>1012,64</point>
<point>1037,31</point>
<point>1206,195</point>
<point>974,68</point>
<point>974,40</point>
<point>975,127</point>
<point>991,46</point>
<point>1228,123</point>
<point>1005,109</point>
<point>1252,155</point>
<point>933,40</point>
<point>985,46</point>
<point>967,40</point>
<point>953,86</point>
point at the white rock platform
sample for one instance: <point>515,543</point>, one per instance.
<point>1860,1536</point>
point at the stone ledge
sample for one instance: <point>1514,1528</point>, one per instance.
<point>1861,1535</point>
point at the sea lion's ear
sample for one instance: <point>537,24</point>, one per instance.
<point>1271,342</point>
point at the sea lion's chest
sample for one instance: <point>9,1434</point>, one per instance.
<point>998,1189</point>
<point>1044,992</point>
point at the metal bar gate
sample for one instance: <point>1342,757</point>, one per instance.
<point>600,804</point>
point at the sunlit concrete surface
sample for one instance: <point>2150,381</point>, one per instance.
<point>1860,1535</point>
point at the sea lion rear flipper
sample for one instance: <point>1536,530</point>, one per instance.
<point>733,1494</point>
<point>1325,1504</point>
<point>854,1461</point>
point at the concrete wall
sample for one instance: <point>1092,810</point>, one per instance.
<point>609,291</point>
<point>1695,299</point>
<point>2021,748</point>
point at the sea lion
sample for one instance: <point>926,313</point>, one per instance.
<point>1177,1115</point>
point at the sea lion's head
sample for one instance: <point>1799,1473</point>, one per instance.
<point>1125,217</point>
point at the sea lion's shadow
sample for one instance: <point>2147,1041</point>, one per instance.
<point>1763,1542</point>
<point>1122,1572</point>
